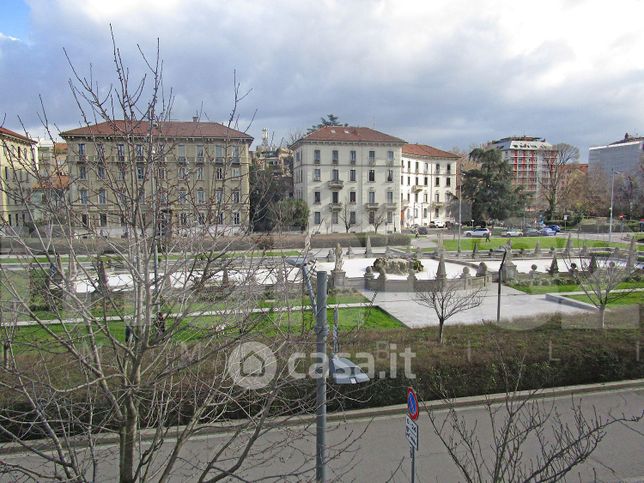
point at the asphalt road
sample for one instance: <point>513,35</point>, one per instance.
<point>375,448</point>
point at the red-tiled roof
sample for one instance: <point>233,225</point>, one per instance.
<point>350,134</point>
<point>170,129</point>
<point>8,132</point>
<point>56,182</point>
<point>424,150</point>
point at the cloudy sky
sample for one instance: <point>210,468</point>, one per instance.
<point>447,73</point>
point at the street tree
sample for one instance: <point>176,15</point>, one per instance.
<point>557,163</point>
<point>137,339</point>
<point>378,217</point>
<point>449,298</point>
<point>345,216</point>
<point>523,438</point>
<point>489,187</point>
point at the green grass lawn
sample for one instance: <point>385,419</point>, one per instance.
<point>628,299</point>
<point>528,243</point>
<point>542,289</point>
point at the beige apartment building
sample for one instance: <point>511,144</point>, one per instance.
<point>427,185</point>
<point>18,165</point>
<point>349,177</point>
<point>195,172</point>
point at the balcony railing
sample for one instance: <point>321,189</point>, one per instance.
<point>335,206</point>
<point>417,187</point>
<point>372,205</point>
<point>336,184</point>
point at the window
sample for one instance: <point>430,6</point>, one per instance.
<point>121,171</point>
<point>372,175</point>
<point>219,173</point>
<point>390,217</point>
<point>372,217</point>
<point>352,175</point>
<point>334,218</point>
<point>100,171</point>
<point>138,149</point>
<point>390,196</point>
<point>6,172</point>
<point>353,157</point>
<point>390,176</point>
<point>372,157</point>
<point>82,172</point>
<point>316,197</point>
<point>220,218</point>
<point>103,219</point>
<point>316,156</point>
<point>417,166</point>
<point>352,197</point>
<point>236,218</point>
<point>436,213</point>
<point>438,168</point>
<point>219,196</point>
<point>416,180</point>
<point>81,152</point>
<point>100,151</point>
<point>219,153</point>
<point>120,152</point>
<point>448,181</point>
<point>425,180</point>
<point>352,217</point>
<point>200,153</point>
<point>335,157</point>
<point>335,175</point>
<point>102,197</point>
<point>449,168</point>
<point>161,172</point>
<point>371,197</point>
<point>236,196</point>
<point>437,182</point>
<point>84,198</point>
<point>317,218</point>
<point>201,196</point>
<point>182,172</point>
<point>235,156</point>
<point>316,174</point>
<point>181,156</point>
<point>183,219</point>
<point>85,220</point>
<point>140,172</point>
<point>236,172</point>
<point>437,197</point>
<point>201,219</point>
<point>334,197</point>
<point>183,197</point>
<point>199,172</point>
<point>390,156</point>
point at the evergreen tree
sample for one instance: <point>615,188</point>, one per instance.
<point>489,187</point>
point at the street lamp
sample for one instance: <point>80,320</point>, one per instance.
<point>341,369</point>
<point>460,212</point>
<point>610,220</point>
<point>498,300</point>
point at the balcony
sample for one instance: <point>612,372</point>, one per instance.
<point>336,184</point>
<point>335,206</point>
<point>372,206</point>
<point>417,187</point>
<point>391,206</point>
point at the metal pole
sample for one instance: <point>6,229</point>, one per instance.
<point>413,464</point>
<point>321,329</point>
<point>460,212</point>
<point>498,301</point>
<point>610,222</point>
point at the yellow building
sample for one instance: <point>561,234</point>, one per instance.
<point>17,170</point>
<point>195,173</point>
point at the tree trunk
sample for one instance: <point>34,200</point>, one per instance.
<point>602,316</point>
<point>440,331</point>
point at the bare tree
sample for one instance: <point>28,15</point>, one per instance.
<point>379,217</point>
<point>556,167</point>
<point>448,299</point>
<point>134,332</point>
<point>526,439</point>
<point>345,217</point>
<point>600,278</point>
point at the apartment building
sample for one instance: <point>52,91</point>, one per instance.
<point>624,156</point>
<point>18,165</point>
<point>195,172</point>
<point>427,185</point>
<point>350,179</point>
<point>530,158</point>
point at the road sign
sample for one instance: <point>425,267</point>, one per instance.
<point>411,431</point>
<point>412,404</point>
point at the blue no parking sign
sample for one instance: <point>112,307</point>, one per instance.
<point>412,404</point>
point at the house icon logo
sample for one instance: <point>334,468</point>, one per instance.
<point>252,365</point>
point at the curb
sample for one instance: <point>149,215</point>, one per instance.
<point>397,410</point>
<point>561,300</point>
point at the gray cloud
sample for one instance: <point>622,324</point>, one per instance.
<point>448,73</point>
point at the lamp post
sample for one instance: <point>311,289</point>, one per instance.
<point>498,300</point>
<point>342,370</point>
<point>610,219</point>
<point>460,212</point>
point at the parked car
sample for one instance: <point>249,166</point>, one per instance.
<point>555,228</point>
<point>531,232</point>
<point>437,224</point>
<point>512,232</point>
<point>478,233</point>
<point>422,230</point>
<point>547,232</point>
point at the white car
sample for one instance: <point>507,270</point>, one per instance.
<point>512,233</point>
<point>477,233</point>
<point>437,224</point>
